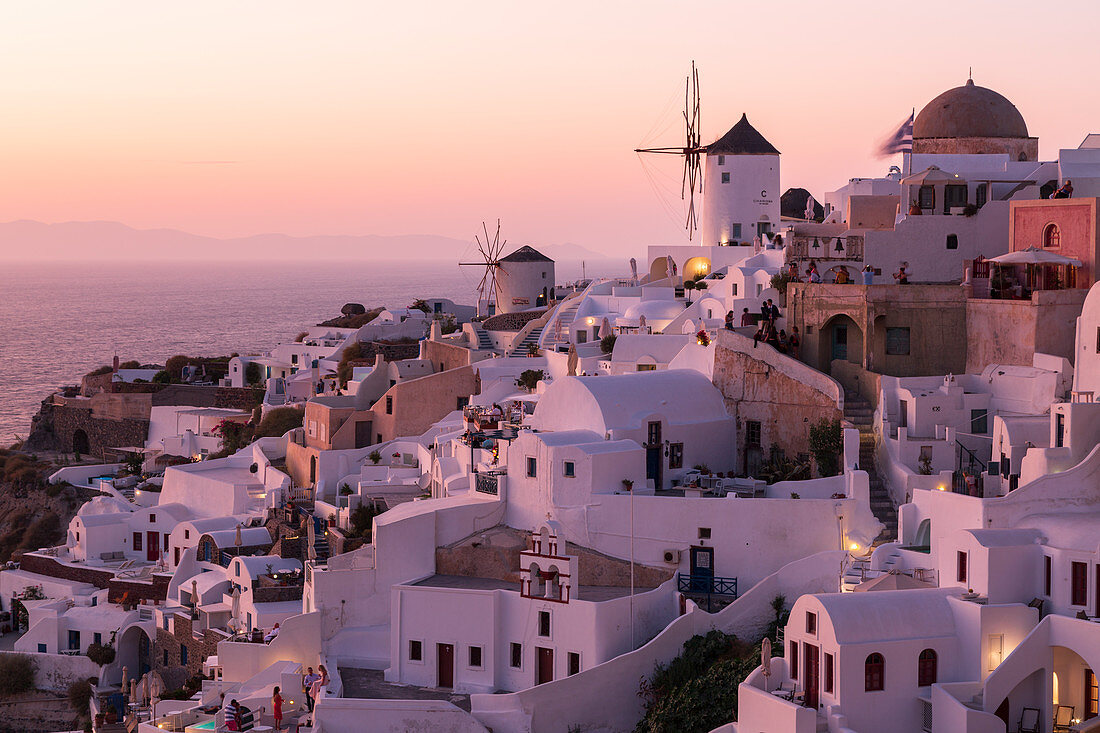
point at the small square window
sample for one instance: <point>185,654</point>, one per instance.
<point>153,518</point>
<point>41,648</point>
<point>475,656</point>
<point>544,623</point>
<point>897,341</point>
<point>574,663</point>
<point>532,467</point>
<point>721,160</point>
<point>389,405</point>
<point>97,638</point>
<point>516,655</point>
<point>704,533</point>
<point>752,432</point>
<point>725,177</point>
<point>811,623</point>
<point>186,534</point>
<point>676,455</point>
<point>952,241</point>
<point>569,469</point>
<point>416,651</point>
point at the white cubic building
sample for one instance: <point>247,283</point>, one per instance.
<point>741,187</point>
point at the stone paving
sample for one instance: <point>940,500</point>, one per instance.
<point>368,683</point>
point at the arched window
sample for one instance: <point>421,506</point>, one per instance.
<point>1051,236</point>
<point>926,668</point>
<point>874,673</point>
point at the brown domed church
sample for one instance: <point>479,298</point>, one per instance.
<point>973,120</point>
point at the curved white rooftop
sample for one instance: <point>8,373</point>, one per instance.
<point>654,310</point>
<point>624,401</point>
<point>889,615</point>
<point>105,505</point>
<point>1070,531</point>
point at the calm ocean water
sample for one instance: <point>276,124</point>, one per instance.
<point>60,321</point>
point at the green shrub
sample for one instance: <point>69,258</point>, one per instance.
<point>162,377</point>
<point>697,691</point>
<point>100,370</point>
<point>80,693</point>
<point>826,443</point>
<point>277,422</point>
<point>375,457</point>
<point>361,521</point>
<point>132,364</point>
<point>353,309</point>
<point>101,654</point>
<point>607,344</point>
<point>252,373</point>
<point>344,368</point>
<point>530,378</point>
<point>780,280</point>
<point>17,672</point>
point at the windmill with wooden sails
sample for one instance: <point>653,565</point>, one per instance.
<point>488,290</point>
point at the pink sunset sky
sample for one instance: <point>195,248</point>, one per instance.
<point>228,119</point>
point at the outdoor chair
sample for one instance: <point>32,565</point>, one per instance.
<point>1029,720</point>
<point>1063,718</point>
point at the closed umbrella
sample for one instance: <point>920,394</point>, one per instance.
<point>571,360</point>
<point>641,324</point>
<point>145,685</point>
<point>311,540</point>
<point>235,608</point>
<point>605,328</point>
<point>766,657</point>
<point>633,271</point>
<point>237,539</point>
<point>194,594</point>
<point>670,267</point>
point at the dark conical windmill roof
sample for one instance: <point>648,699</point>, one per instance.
<point>742,139</point>
<point>526,253</point>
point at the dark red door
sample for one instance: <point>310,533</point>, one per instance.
<point>545,665</point>
<point>810,679</point>
<point>152,546</point>
<point>445,656</point>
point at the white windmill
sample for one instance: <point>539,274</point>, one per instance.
<point>489,288</point>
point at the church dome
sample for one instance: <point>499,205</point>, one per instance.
<point>969,111</point>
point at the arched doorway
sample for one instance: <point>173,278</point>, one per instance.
<point>696,267</point>
<point>658,269</point>
<point>839,339</point>
<point>81,444</point>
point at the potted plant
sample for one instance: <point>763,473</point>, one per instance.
<point>375,457</point>
<point>628,484</point>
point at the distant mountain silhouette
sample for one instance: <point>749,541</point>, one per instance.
<point>110,240</point>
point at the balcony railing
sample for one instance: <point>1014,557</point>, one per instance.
<point>707,584</point>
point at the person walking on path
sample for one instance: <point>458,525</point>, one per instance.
<point>307,685</point>
<point>277,708</point>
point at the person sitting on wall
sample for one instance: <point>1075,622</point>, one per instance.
<point>746,318</point>
<point>812,275</point>
<point>842,276</point>
<point>1064,191</point>
<point>270,636</point>
<point>792,272</point>
<point>729,321</point>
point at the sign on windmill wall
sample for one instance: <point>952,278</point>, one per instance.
<point>521,301</point>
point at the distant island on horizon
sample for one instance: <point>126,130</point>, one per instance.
<point>34,241</point>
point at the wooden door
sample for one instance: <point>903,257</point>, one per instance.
<point>152,546</point>
<point>702,569</point>
<point>812,675</point>
<point>545,665</point>
<point>840,342</point>
<point>445,661</point>
<point>363,431</point>
<point>1092,699</point>
<point>653,454</point>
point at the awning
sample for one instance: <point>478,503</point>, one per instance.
<point>1035,256</point>
<point>931,176</point>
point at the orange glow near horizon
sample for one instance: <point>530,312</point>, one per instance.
<point>356,118</point>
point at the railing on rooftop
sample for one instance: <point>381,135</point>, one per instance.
<point>488,482</point>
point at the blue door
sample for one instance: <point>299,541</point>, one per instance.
<point>702,569</point>
<point>840,342</point>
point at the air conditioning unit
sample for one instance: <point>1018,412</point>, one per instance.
<point>672,557</point>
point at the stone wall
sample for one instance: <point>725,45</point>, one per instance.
<point>153,589</point>
<point>511,321</point>
<point>102,433</point>
<point>1012,331</point>
<point>780,394</point>
<point>199,646</point>
<point>495,554</point>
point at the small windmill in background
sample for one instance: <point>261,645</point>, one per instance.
<point>489,288</point>
<point>691,180</point>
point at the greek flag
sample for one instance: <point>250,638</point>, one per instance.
<point>901,141</point>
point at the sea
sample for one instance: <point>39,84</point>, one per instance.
<point>58,321</point>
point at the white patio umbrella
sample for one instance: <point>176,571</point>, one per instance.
<point>766,659</point>
<point>311,540</point>
<point>571,360</point>
<point>670,267</point>
<point>1035,256</point>
<point>605,328</point>
<point>633,271</point>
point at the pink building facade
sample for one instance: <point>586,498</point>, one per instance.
<point>1068,227</point>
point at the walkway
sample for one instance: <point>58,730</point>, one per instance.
<point>369,684</point>
<point>859,412</point>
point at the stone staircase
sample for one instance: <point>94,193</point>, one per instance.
<point>859,412</point>
<point>320,540</point>
<point>484,343</point>
<point>532,339</point>
<point>567,311</point>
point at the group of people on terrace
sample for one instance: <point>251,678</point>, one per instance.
<point>839,274</point>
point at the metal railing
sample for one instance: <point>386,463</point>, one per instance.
<point>710,584</point>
